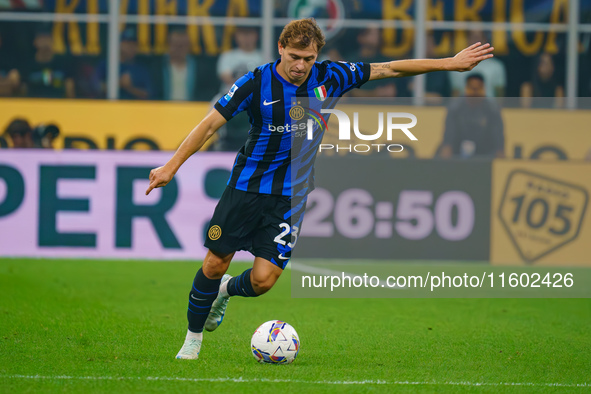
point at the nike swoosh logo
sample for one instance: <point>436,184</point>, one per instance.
<point>198,299</point>
<point>270,102</point>
<point>283,257</point>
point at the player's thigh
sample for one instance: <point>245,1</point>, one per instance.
<point>277,235</point>
<point>233,223</point>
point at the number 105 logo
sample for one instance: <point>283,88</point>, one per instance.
<point>541,214</point>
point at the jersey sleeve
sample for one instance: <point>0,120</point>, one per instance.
<point>238,98</point>
<point>349,75</point>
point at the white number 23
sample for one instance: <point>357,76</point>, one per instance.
<point>294,235</point>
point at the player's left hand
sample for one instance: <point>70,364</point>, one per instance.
<point>469,57</point>
<point>159,177</point>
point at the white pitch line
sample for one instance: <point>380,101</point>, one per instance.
<point>333,382</point>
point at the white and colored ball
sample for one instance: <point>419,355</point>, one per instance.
<point>275,342</point>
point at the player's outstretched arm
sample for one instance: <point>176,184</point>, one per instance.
<point>465,60</point>
<point>160,176</point>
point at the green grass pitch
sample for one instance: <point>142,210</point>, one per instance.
<point>115,326</point>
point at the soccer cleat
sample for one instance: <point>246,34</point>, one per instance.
<point>190,349</point>
<point>216,314</point>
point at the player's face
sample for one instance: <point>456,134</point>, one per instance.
<point>297,63</point>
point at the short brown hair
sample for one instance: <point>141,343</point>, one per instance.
<point>301,33</point>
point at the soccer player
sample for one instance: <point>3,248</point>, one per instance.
<point>262,207</point>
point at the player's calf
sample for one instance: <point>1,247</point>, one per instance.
<point>254,281</point>
<point>204,292</point>
<point>240,285</point>
<point>264,275</point>
<point>263,285</point>
<point>246,285</point>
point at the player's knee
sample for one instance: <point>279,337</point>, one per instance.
<point>215,265</point>
<point>214,269</point>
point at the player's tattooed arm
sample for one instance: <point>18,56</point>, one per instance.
<point>381,71</point>
<point>160,176</point>
<point>465,60</point>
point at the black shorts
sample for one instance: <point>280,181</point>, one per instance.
<point>265,225</point>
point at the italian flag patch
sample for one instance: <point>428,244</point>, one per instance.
<point>320,93</point>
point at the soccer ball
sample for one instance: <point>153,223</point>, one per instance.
<point>275,342</point>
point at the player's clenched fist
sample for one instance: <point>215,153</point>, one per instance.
<point>159,177</point>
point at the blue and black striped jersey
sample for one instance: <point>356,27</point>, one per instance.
<point>277,158</point>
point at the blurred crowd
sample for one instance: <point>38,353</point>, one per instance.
<point>22,135</point>
<point>176,75</point>
<point>37,71</point>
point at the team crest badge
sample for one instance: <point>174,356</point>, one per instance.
<point>297,112</point>
<point>215,232</point>
<point>320,93</point>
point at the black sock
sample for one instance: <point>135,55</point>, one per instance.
<point>201,297</point>
<point>240,285</point>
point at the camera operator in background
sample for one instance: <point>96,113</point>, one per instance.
<point>20,135</point>
<point>44,135</point>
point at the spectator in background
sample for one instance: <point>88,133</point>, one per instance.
<point>369,41</point>
<point>330,52</point>
<point>20,133</point>
<point>473,126</point>
<point>9,75</point>
<point>493,71</point>
<point>232,65</point>
<point>236,62</point>
<point>543,84</point>
<point>134,78</point>
<point>85,73</point>
<point>177,75</point>
<point>47,75</point>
